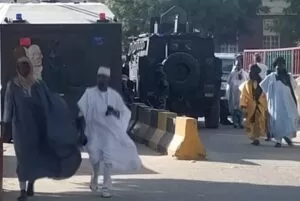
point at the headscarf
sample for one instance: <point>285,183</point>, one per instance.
<point>19,52</point>
<point>254,73</point>
<point>283,76</point>
<point>238,62</point>
<point>256,90</point>
<point>281,71</point>
<point>254,76</point>
<point>35,55</point>
<point>25,82</point>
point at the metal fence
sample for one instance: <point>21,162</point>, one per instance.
<point>291,55</point>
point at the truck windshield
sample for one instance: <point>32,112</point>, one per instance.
<point>227,65</point>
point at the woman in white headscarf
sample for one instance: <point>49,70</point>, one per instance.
<point>35,55</point>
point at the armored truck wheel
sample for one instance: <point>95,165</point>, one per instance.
<point>212,115</point>
<point>182,71</point>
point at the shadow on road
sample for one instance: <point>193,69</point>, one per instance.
<point>228,145</point>
<point>176,190</point>
<point>85,169</point>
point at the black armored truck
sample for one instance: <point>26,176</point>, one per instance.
<point>74,40</point>
<point>187,59</point>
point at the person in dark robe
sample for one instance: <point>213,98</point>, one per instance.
<point>46,140</point>
<point>127,85</point>
<point>162,88</point>
<point>18,52</point>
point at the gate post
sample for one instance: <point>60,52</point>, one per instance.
<point>1,168</point>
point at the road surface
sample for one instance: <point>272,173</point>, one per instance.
<point>234,171</point>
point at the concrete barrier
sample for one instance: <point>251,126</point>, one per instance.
<point>134,116</point>
<point>186,143</point>
<point>138,131</point>
<point>164,142</point>
<point>152,126</point>
<point>163,133</point>
<point>167,134</point>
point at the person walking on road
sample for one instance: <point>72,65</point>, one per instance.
<point>42,130</point>
<point>235,79</point>
<point>106,120</point>
<point>254,105</point>
<point>282,104</point>
<point>264,72</point>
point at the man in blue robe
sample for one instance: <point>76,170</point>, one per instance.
<point>282,104</point>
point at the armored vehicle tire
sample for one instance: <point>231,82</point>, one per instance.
<point>182,71</point>
<point>212,115</point>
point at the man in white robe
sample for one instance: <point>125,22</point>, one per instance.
<point>237,77</point>
<point>106,121</point>
<point>282,104</point>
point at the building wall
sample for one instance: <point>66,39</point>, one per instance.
<point>253,39</point>
<point>261,34</point>
<point>269,37</point>
<point>276,6</point>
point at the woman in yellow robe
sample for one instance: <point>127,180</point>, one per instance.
<point>254,105</point>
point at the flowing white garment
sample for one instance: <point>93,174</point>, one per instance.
<point>107,134</point>
<point>264,70</point>
<point>283,115</point>
<point>297,93</point>
<point>234,92</point>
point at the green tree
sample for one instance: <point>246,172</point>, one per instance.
<point>224,18</point>
<point>288,25</point>
<point>135,15</point>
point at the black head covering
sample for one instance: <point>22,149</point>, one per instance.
<point>281,72</point>
<point>254,73</point>
<point>279,62</point>
<point>238,62</point>
<point>254,76</point>
<point>283,75</point>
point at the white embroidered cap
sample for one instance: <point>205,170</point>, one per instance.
<point>102,70</point>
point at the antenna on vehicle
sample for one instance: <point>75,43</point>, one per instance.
<point>176,24</point>
<point>166,51</point>
<point>187,27</point>
<point>155,27</point>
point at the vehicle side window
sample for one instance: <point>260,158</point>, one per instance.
<point>227,65</point>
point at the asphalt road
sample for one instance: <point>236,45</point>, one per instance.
<point>234,171</point>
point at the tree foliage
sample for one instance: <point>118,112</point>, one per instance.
<point>289,24</point>
<point>223,17</point>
